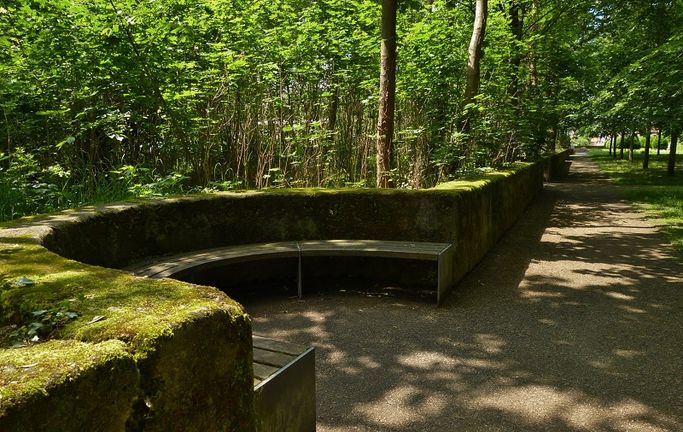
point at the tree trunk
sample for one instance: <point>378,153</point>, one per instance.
<point>332,110</point>
<point>621,145</point>
<point>474,61</point>
<point>659,140</point>
<point>672,153</point>
<point>9,140</point>
<point>646,157</point>
<point>533,30</point>
<point>474,72</point>
<point>516,59</point>
<point>630,146</point>
<point>387,93</point>
<point>609,152</point>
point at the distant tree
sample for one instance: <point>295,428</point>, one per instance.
<point>671,168</point>
<point>648,139</point>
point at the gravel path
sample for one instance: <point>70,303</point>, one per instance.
<point>572,323</point>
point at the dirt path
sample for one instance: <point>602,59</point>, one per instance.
<point>573,323</point>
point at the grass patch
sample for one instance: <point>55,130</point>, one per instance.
<point>623,172</point>
<point>666,204</point>
<point>659,195</point>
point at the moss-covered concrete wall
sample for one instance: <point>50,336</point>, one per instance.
<point>470,214</point>
<point>136,354</point>
<point>166,355</point>
<point>557,165</point>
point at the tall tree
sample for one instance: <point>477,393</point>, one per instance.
<point>672,153</point>
<point>659,140</point>
<point>517,30</point>
<point>474,60</point>
<point>387,93</point>
<point>646,156</point>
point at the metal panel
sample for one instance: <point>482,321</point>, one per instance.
<point>285,401</point>
<point>278,346</point>
<point>374,248</point>
<point>445,273</point>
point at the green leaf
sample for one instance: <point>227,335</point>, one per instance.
<point>67,140</point>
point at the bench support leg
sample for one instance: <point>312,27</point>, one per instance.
<point>298,282</point>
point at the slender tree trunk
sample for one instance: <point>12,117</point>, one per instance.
<point>516,60</point>
<point>609,148</point>
<point>516,27</point>
<point>387,93</point>
<point>672,153</point>
<point>646,157</point>
<point>6,163</point>
<point>474,60</point>
<point>609,152</point>
<point>659,140</point>
<point>630,146</point>
<point>474,68</point>
<point>533,29</point>
<point>332,110</point>
<point>621,145</point>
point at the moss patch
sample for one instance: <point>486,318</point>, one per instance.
<point>30,371</point>
<point>126,326</point>
<point>110,304</point>
<point>54,386</point>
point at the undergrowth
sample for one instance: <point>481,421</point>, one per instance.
<point>27,188</point>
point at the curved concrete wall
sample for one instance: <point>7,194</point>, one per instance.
<point>158,359</point>
<point>471,218</point>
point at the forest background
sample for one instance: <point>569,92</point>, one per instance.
<point>110,99</point>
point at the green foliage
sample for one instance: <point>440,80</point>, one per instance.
<point>581,141</point>
<point>144,183</point>
<point>255,94</point>
<point>41,325</point>
<point>228,93</point>
<point>639,52</point>
<point>27,188</point>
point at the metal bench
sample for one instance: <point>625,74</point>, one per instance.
<point>284,386</point>
<point>188,262</point>
<point>284,373</point>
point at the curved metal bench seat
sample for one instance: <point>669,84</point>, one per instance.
<point>187,262</point>
<point>179,264</point>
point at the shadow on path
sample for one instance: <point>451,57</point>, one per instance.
<point>572,323</point>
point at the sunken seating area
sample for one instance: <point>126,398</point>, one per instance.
<point>114,351</point>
